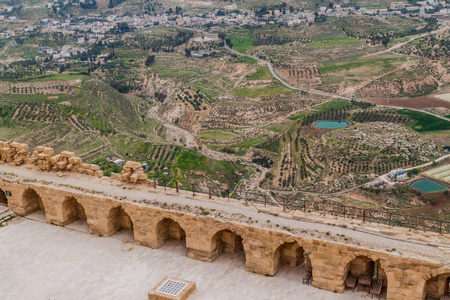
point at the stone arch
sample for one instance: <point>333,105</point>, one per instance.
<point>366,265</point>
<point>32,201</point>
<point>226,241</point>
<point>437,286</point>
<point>72,210</point>
<point>167,229</point>
<point>288,253</point>
<point>118,219</point>
<point>3,198</point>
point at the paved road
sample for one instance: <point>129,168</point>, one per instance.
<point>274,74</point>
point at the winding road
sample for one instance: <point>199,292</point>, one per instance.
<point>334,96</point>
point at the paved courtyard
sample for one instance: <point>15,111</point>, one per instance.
<point>43,261</point>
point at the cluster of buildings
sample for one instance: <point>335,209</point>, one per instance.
<point>60,55</point>
<point>99,25</point>
<point>87,30</point>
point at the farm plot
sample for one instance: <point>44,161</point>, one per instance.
<point>39,87</point>
<point>324,160</point>
<point>46,113</point>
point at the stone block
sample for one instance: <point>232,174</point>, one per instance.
<point>115,176</point>
<point>95,167</point>
<point>75,160</point>
<point>134,177</point>
<point>67,154</point>
<point>62,165</point>
<point>126,176</point>
<point>49,151</point>
<point>43,156</point>
<point>132,164</point>
<point>55,159</point>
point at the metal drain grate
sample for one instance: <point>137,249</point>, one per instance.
<point>172,287</point>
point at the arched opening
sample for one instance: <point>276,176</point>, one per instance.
<point>73,213</point>
<point>291,260</point>
<point>33,203</point>
<point>119,220</point>
<point>290,254</point>
<point>227,241</point>
<point>362,273</point>
<point>168,229</point>
<point>3,199</point>
<point>438,286</point>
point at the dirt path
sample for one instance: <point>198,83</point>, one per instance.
<point>399,45</point>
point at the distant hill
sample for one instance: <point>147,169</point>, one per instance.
<point>101,101</point>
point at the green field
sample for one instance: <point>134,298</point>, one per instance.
<point>261,91</point>
<point>245,60</point>
<point>333,42</point>
<point>242,40</point>
<point>335,104</point>
<point>425,122</point>
<point>249,143</point>
<point>56,76</point>
<point>217,134</point>
<point>299,116</point>
<point>384,61</point>
<point>262,73</point>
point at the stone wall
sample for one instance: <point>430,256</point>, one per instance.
<point>206,238</point>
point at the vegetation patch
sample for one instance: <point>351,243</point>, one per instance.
<point>262,73</point>
<point>424,122</point>
<point>261,91</point>
<point>333,42</point>
<point>217,134</point>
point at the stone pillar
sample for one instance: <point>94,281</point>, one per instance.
<point>145,228</point>
<point>15,200</point>
<point>97,213</point>
<point>200,239</point>
<point>405,284</point>
<point>258,257</point>
<point>328,269</point>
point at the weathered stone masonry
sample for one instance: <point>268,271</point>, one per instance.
<point>265,250</point>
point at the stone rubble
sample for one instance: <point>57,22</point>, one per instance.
<point>13,153</point>
<point>132,172</point>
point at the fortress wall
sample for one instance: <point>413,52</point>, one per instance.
<point>206,238</point>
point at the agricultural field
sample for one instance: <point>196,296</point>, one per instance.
<point>261,91</point>
<point>320,160</point>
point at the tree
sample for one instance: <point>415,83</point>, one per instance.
<point>187,52</point>
<point>150,60</point>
